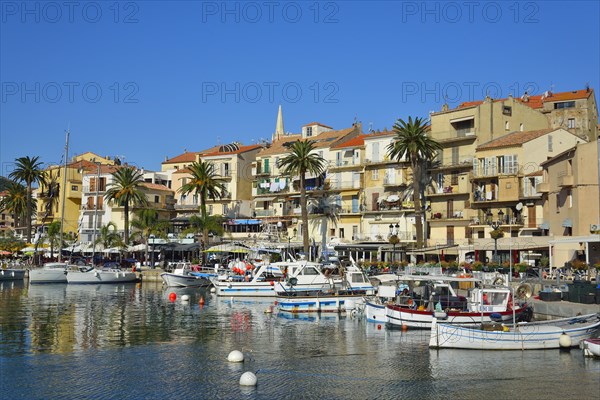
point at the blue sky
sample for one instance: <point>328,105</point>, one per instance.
<point>149,79</point>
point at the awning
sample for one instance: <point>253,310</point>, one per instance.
<point>544,226</point>
<point>243,222</point>
<point>452,121</point>
<point>567,223</point>
<point>446,248</point>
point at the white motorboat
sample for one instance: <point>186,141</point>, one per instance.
<point>184,276</point>
<point>87,274</point>
<point>55,272</point>
<point>551,334</point>
<point>258,281</point>
<point>329,301</point>
<point>11,274</point>
<point>591,347</point>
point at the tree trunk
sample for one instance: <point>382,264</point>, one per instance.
<point>146,256</point>
<point>304,212</point>
<point>28,212</point>
<point>324,239</point>
<point>204,231</point>
<point>126,217</point>
<point>417,203</point>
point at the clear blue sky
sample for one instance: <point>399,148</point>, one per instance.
<point>145,80</point>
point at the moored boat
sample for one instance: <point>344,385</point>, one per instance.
<point>54,272</point>
<point>12,274</point>
<point>184,276</point>
<point>551,334</point>
<point>339,301</point>
<point>90,275</point>
<point>591,347</point>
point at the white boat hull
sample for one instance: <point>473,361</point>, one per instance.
<point>404,316</point>
<point>531,336</point>
<point>12,274</point>
<point>175,280</point>
<point>591,347</point>
<point>52,273</point>
<point>99,276</point>
<point>375,312</point>
<point>327,303</point>
<point>244,289</point>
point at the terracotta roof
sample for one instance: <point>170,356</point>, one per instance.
<point>318,123</point>
<point>242,149</point>
<point>538,101</point>
<point>104,169</point>
<point>156,186</point>
<point>515,139</point>
<point>354,142</point>
<point>379,134</point>
<point>188,156</point>
<point>325,139</point>
<point>536,173</point>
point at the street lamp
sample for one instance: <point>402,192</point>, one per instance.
<point>394,239</point>
<point>495,225</point>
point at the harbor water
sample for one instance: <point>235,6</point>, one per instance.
<point>130,341</point>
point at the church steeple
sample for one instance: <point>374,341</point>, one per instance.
<point>279,132</point>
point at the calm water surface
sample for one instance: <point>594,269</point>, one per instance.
<point>130,342</point>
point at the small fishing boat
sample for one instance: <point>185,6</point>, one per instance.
<point>336,302</point>
<point>551,334</point>
<point>54,272</point>
<point>91,275</point>
<point>591,347</point>
<point>184,276</point>
<point>12,274</point>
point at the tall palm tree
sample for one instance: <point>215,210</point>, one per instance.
<point>53,236</point>
<point>51,193</point>
<point>126,190</point>
<point>146,221</point>
<point>327,209</point>
<point>28,170</point>
<point>15,202</point>
<point>412,144</point>
<point>205,184</point>
<point>108,236</point>
<point>302,160</point>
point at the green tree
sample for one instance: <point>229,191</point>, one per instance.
<point>302,160</point>
<point>146,221</point>
<point>15,202</point>
<point>205,184</point>
<point>53,236</point>
<point>126,191</point>
<point>327,209</point>
<point>28,170</point>
<point>412,144</point>
<point>108,236</point>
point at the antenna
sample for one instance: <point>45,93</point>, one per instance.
<point>370,127</point>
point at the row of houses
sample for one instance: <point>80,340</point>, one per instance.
<point>527,165</point>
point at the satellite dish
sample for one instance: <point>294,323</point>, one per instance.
<point>519,206</point>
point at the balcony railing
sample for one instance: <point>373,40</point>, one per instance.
<point>264,213</point>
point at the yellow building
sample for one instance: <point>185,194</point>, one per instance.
<point>51,195</point>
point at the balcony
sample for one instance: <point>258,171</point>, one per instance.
<point>183,207</point>
<point>543,187</point>
<point>264,213</point>
<point>263,172</point>
<point>566,181</point>
<point>454,216</point>
<point>344,164</point>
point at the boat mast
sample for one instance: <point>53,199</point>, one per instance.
<point>64,193</point>
<point>95,214</point>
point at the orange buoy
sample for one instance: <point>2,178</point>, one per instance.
<point>379,326</point>
<point>201,300</point>
<point>404,328</point>
<point>172,296</point>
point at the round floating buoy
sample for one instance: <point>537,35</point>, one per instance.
<point>564,341</point>
<point>248,379</point>
<point>201,300</point>
<point>353,313</point>
<point>231,299</point>
<point>185,298</point>
<point>213,289</point>
<point>235,356</point>
<point>404,328</point>
<point>379,327</point>
<point>272,283</point>
<point>172,296</point>
<point>269,310</point>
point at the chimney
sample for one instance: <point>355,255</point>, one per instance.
<point>525,97</point>
<point>445,107</point>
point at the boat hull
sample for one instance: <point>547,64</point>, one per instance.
<point>591,347</point>
<point>375,312</point>
<point>12,274</point>
<point>399,316</point>
<point>326,303</point>
<point>175,280</point>
<point>532,336</point>
<point>97,276</point>
<point>49,274</point>
<point>244,289</point>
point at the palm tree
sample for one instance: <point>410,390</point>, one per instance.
<point>210,224</point>
<point>147,222</point>
<point>51,193</point>
<point>15,202</point>
<point>413,145</point>
<point>204,184</point>
<point>108,236</point>
<point>126,190</point>
<point>300,161</point>
<point>53,236</point>
<point>28,170</point>
<point>328,209</point>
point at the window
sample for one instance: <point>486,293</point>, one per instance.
<point>570,198</point>
<point>521,127</point>
<point>375,174</point>
<point>564,104</point>
<point>454,178</point>
<point>309,131</point>
<point>506,125</point>
<point>210,209</point>
<point>550,143</point>
<point>225,208</point>
<point>331,231</point>
<point>507,110</point>
<point>341,233</point>
<point>74,188</point>
<point>375,156</point>
<point>455,155</point>
<point>571,123</point>
<point>157,199</point>
<point>354,203</point>
<point>557,202</point>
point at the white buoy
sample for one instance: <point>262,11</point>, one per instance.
<point>231,299</point>
<point>185,298</point>
<point>564,341</point>
<point>213,289</point>
<point>235,356</point>
<point>248,379</point>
